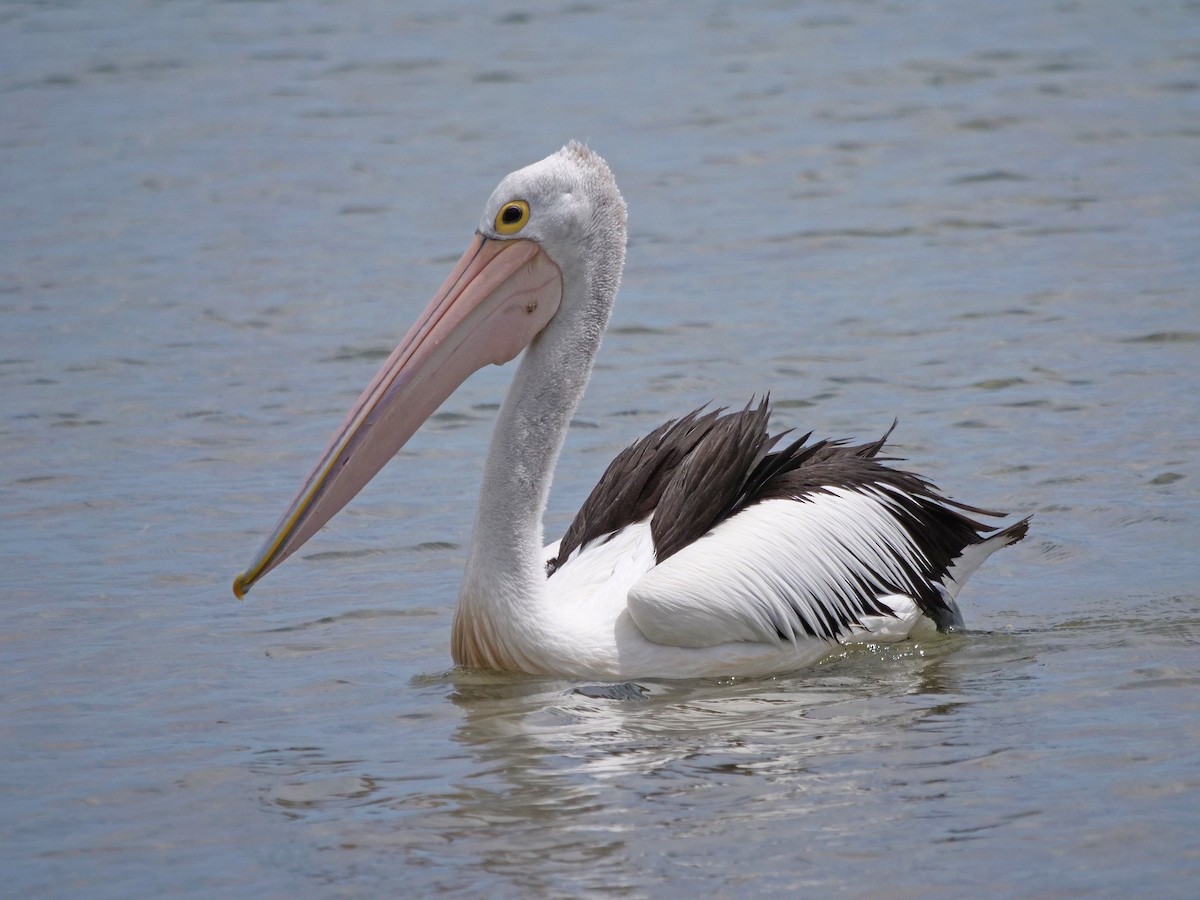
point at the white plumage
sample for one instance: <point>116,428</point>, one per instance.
<point>769,571</point>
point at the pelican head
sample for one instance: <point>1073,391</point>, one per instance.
<point>547,257</point>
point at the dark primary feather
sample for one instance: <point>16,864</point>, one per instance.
<point>697,471</point>
<point>632,485</point>
<point>686,472</point>
<point>704,488</point>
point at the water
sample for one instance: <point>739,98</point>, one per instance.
<point>217,218</point>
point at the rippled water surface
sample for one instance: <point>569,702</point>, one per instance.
<point>216,219</point>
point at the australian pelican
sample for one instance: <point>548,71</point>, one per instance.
<point>708,547</point>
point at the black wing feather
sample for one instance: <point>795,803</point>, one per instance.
<point>634,482</point>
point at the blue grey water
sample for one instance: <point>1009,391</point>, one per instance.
<point>217,218</point>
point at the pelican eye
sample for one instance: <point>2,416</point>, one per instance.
<point>512,217</point>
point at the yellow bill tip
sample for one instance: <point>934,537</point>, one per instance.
<point>241,584</point>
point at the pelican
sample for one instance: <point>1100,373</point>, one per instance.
<point>705,549</point>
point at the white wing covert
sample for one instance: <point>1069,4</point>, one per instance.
<point>784,570</point>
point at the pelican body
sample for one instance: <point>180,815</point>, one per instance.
<point>706,549</point>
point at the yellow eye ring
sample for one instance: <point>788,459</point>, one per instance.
<point>513,216</point>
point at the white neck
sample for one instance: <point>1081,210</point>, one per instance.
<point>504,585</point>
